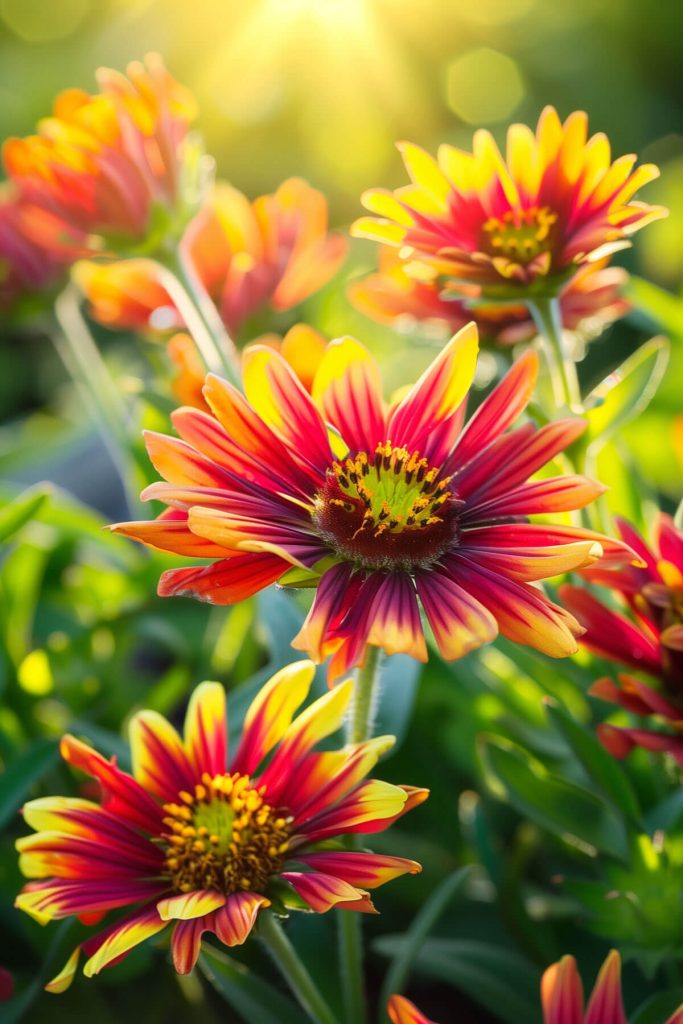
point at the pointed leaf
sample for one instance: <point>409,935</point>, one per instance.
<point>252,997</point>
<point>625,393</point>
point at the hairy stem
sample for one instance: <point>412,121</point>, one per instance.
<point>563,376</point>
<point>293,970</point>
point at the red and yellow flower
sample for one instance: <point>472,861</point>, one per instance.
<point>527,220</point>
<point>379,507</point>
<point>562,995</point>
<point>35,250</point>
<point>197,841</point>
<point>649,638</point>
<point>273,252</point>
<point>589,301</point>
<point>110,164</point>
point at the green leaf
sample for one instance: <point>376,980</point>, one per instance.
<point>414,938</point>
<point>659,1008</point>
<point>664,309</point>
<point>625,393</point>
<point>21,510</point>
<point>601,767</point>
<point>251,996</point>
<point>501,981</point>
<point>569,811</point>
<point>21,775</point>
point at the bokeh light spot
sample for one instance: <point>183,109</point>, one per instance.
<point>40,22</point>
<point>484,86</point>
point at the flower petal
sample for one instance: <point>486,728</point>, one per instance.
<point>606,1005</point>
<point>160,763</point>
<point>611,635</point>
<point>365,870</point>
<point>234,921</point>
<point>348,390</point>
<point>205,735</point>
<point>189,905</point>
<point>438,392</point>
<point>402,1011</point>
<point>371,807</point>
<point>120,938</point>
<point>227,581</point>
<point>121,793</point>
<point>322,892</point>
<point>562,993</point>
<point>459,621</point>
<point>270,714</point>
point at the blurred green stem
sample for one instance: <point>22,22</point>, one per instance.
<point>358,729</point>
<point>199,314</point>
<point>86,367</point>
<point>565,382</point>
<point>293,970</point>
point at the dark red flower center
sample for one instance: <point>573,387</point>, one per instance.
<point>389,509</point>
<point>520,235</point>
<point>224,836</point>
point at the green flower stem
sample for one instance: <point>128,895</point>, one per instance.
<point>565,382</point>
<point>358,729</point>
<point>199,314</point>
<point>359,725</point>
<point>293,970</point>
<point>84,364</point>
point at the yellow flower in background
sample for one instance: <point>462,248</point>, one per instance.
<point>520,223</point>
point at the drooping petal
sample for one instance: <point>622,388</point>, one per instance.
<point>234,922</point>
<point>224,582</point>
<point>321,891</point>
<point>523,613</point>
<point>459,621</point>
<point>120,938</point>
<point>270,714</point>
<point>188,905</point>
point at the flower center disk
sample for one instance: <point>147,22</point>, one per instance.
<point>224,836</point>
<point>390,509</point>
<point>521,235</point>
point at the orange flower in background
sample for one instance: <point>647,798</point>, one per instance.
<point>562,995</point>
<point>402,1011</point>
<point>524,222</point>
<point>274,251</point>
<point>127,295</point>
<point>35,250</point>
<point>111,164</point>
<point>198,841</point>
<point>590,301</point>
<point>378,507</point>
<point>649,640</point>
